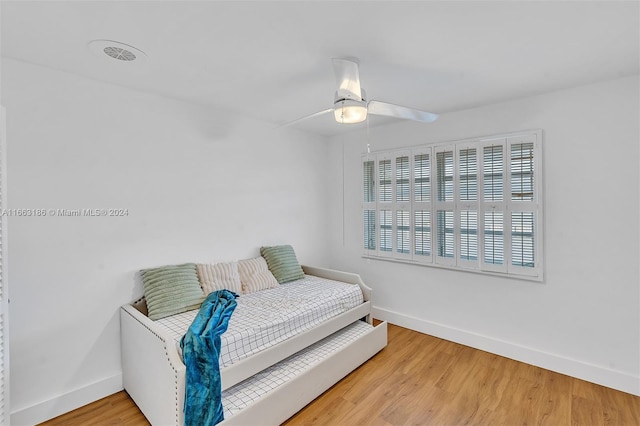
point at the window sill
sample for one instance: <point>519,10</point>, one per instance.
<point>532,278</point>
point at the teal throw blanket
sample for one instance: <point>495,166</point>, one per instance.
<point>201,354</point>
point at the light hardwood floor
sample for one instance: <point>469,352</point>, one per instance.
<point>422,380</point>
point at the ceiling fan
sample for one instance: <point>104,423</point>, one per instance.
<point>350,104</point>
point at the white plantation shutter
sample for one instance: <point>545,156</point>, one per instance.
<point>387,219</point>
<point>524,171</point>
<point>4,295</point>
<point>422,206</point>
<point>493,206</point>
<point>472,205</point>
<point>369,197</point>
<point>444,205</point>
<point>385,205</point>
<point>468,207</point>
<point>402,206</point>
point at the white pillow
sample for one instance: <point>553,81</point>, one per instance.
<point>255,275</point>
<point>219,276</point>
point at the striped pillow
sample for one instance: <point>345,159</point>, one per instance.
<point>219,277</point>
<point>255,275</point>
<point>282,263</point>
<point>171,290</point>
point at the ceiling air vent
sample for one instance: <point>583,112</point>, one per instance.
<point>116,50</point>
<point>119,54</point>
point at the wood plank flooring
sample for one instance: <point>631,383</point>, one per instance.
<point>422,380</point>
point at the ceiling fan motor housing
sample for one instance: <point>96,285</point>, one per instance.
<point>339,98</point>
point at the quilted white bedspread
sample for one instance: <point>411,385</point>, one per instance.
<point>265,318</point>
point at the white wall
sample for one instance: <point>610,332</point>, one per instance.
<point>199,185</point>
<point>584,319</point>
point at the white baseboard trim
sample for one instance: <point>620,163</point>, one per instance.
<point>614,379</point>
<point>61,404</point>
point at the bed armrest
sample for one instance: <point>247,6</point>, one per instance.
<point>151,366</point>
<point>347,277</point>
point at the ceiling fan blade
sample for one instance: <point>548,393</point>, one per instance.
<point>397,111</point>
<point>348,79</point>
<point>315,114</point>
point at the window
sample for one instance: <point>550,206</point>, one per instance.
<point>470,205</point>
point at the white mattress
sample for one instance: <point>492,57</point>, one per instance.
<point>247,392</point>
<point>265,318</point>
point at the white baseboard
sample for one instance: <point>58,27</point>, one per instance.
<point>614,379</point>
<point>61,404</point>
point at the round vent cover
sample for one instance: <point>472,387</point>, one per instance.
<point>120,54</point>
<point>116,50</point>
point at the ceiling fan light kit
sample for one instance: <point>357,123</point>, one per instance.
<point>350,112</point>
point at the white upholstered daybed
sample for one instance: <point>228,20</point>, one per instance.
<point>259,387</point>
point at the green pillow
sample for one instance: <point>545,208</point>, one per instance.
<point>171,290</point>
<point>282,263</point>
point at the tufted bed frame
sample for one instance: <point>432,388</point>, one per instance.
<point>154,374</point>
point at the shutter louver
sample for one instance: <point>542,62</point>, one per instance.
<point>403,238</point>
<point>369,182</point>
<point>522,172</point>
<point>522,239</point>
<point>423,232</point>
<point>445,233</point>
<point>445,175</point>
<point>494,238</point>
<point>385,180</point>
<point>493,173</point>
<point>468,171</point>
<point>469,235</point>
<point>370,229</point>
<point>402,179</point>
<point>422,178</point>
<point>386,230</point>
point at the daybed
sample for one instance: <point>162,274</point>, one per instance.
<point>261,388</point>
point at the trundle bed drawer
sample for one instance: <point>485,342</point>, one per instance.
<point>278,392</point>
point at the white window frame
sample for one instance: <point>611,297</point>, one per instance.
<point>507,206</point>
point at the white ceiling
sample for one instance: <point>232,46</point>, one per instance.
<point>272,60</point>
